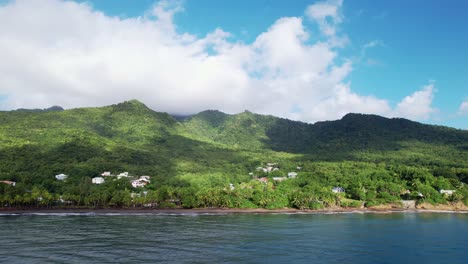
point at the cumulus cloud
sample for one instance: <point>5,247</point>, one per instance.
<point>418,105</point>
<point>463,109</point>
<point>66,53</point>
<point>326,14</point>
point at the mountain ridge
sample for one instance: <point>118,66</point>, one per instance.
<point>178,117</point>
<point>245,130</point>
<point>131,124</point>
<point>181,117</point>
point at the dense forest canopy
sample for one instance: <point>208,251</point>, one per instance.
<point>213,159</point>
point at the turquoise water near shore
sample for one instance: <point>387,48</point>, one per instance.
<point>234,238</point>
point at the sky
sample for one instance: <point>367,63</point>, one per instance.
<point>303,60</point>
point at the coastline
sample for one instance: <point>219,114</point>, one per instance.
<point>201,211</point>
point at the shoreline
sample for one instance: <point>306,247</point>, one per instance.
<point>180,211</point>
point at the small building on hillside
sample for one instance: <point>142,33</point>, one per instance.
<point>141,182</point>
<point>292,175</point>
<point>61,177</point>
<point>123,175</point>
<point>447,192</point>
<point>145,178</point>
<point>269,167</point>
<point>98,180</point>
<point>279,179</point>
<point>338,190</point>
<point>106,174</point>
<point>11,183</point>
<point>138,183</point>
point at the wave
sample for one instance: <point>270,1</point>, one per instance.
<point>196,214</point>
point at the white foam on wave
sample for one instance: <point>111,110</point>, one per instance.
<point>61,214</point>
<point>196,214</point>
<point>8,214</point>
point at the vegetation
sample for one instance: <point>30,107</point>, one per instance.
<point>193,160</point>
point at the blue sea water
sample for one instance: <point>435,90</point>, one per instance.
<point>234,238</point>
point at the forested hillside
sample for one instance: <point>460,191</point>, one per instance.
<point>214,159</point>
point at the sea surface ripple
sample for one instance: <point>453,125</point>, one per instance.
<point>233,238</point>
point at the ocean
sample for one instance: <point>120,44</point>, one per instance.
<point>409,237</point>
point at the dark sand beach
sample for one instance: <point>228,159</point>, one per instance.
<point>217,211</point>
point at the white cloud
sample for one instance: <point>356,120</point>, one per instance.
<point>327,15</point>
<point>65,53</point>
<point>345,101</point>
<point>372,44</point>
<point>367,46</point>
<point>463,109</point>
<point>418,105</point>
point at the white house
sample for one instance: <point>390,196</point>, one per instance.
<point>123,174</point>
<point>145,178</point>
<point>338,190</point>
<point>447,192</point>
<point>106,173</point>
<point>269,167</point>
<point>138,183</point>
<point>98,180</point>
<point>12,183</point>
<point>292,175</point>
<point>61,177</point>
<point>279,179</point>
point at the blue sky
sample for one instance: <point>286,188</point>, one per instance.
<point>399,58</point>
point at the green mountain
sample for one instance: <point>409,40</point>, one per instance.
<point>212,148</point>
<point>348,138</point>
